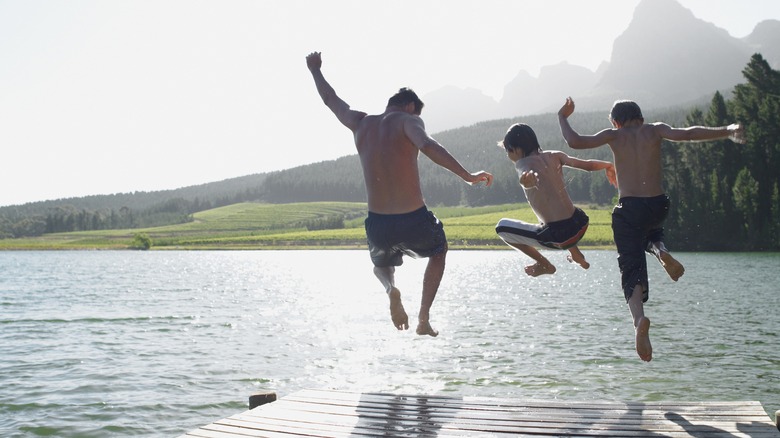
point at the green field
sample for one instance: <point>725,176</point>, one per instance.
<point>301,226</point>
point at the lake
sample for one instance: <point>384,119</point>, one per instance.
<point>157,343</point>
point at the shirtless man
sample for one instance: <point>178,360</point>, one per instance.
<point>398,220</point>
<point>541,176</point>
<point>637,220</point>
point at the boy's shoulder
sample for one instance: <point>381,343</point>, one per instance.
<point>555,154</point>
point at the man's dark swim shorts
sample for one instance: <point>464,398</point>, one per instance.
<point>418,234</point>
<point>636,223</point>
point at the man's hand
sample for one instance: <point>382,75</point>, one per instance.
<point>314,61</point>
<point>480,176</point>
<point>567,109</point>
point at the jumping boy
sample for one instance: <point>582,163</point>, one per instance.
<point>562,225</point>
<point>637,219</point>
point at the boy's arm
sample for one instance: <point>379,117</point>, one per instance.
<point>591,166</point>
<point>735,132</point>
<point>574,139</point>
<point>346,116</point>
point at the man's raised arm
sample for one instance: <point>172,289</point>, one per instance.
<point>346,116</point>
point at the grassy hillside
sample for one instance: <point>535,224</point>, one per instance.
<point>299,226</point>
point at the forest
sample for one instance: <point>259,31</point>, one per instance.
<point>724,195</point>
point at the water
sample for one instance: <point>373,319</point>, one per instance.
<point>97,344</point>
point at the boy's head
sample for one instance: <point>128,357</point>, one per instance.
<point>520,137</point>
<point>404,97</point>
<point>624,111</point>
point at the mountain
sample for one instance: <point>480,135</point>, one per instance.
<point>669,56</point>
<point>666,57</point>
<point>528,95</point>
<point>463,107</point>
<point>764,39</point>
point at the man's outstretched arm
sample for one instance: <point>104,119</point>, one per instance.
<point>346,116</point>
<point>415,131</point>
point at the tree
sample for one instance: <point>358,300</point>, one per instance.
<point>757,104</point>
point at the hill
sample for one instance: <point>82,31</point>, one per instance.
<point>299,225</point>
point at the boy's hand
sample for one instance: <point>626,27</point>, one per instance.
<point>567,109</point>
<point>529,179</point>
<point>737,133</point>
<point>611,174</point>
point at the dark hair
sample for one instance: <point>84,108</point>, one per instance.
<point>624,111</point>
<point>521,136</point>
<point>405,96</point>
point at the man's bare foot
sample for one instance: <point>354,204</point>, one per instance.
<point>578,259</point>
<point>397,311</point>
<point>674,268</point>
<point>643,347</point>
<point>424,328</point>
<point>538,269</point>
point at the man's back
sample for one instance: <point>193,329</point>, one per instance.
<point>637,154</point>
<point>389,161</point>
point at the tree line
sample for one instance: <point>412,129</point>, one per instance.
<point>724,195</point>
<point>125,210</point>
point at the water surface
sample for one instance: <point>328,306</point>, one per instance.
<point>96,344</point>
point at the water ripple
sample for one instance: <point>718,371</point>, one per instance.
<point>159,343</point>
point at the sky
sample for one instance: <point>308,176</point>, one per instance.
<point>115,96</point>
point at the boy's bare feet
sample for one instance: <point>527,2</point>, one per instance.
<point>424,328</point>
<point>397,311</point>
<point>674,268</point>
<point>643,347</point>
<point>576,256</point>
<point>539,268</point>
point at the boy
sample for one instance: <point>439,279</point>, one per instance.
<point>562,224</point>
<point>637,220</point>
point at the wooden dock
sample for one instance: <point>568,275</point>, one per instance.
<point>336,414</point>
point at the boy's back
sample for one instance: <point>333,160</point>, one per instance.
<point>636,148</point>
<point>548,198</point>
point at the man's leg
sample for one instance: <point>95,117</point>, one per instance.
<point>641,324</point>
<point>431,281</point>
<point>386,276</point>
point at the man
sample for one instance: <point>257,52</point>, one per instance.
<point>637,220</point>
<point>398,220</point>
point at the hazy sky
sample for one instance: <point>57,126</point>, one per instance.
<point>109,96</point>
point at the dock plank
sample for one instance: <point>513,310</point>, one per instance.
<point>337,414</point>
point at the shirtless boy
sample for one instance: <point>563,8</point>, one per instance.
<point>637,220</point>
<point>398,221</point>
<point>562,225</point>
